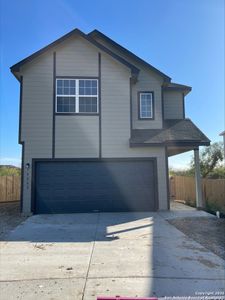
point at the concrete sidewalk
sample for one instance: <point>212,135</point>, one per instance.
<point>81,256</point>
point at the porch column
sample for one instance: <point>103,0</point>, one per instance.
<point>198,186</point>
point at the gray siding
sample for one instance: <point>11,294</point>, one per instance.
<point>173,105</point>
<point>116,123</point>
<point>115,107</point>
<point>37,113</point>
<point>37,105</point>
<point>147,81</point>
<point>77,136</point>
<point>76,57</point>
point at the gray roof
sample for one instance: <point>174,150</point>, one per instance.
<point>174,133</point>
<point>171,86</point>
<point>16,68</point>
<point>128,53</point>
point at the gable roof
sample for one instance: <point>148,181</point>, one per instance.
<point>97,33</point>
<point>16,68</point>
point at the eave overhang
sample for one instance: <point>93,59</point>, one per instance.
<point>185,89</point>
<point>175,133</point>
<point>15,69</point>
<point>96,33</point>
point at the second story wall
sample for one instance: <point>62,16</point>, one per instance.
<point>37,100</point>
<point>115,107</point>
<point>76,135</point>
<point>56,135</point>
<point>173,105</point>
<point>147,81</point>
<point>76,57</point>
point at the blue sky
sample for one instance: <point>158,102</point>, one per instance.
<point>182,38</point>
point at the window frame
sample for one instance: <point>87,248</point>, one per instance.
<point>152,106</point>
<point>76,96</point>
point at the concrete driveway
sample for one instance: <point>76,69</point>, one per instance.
<point>81,256</point>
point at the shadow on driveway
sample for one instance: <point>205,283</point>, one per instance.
<point>88,255</point>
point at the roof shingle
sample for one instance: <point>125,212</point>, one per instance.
<point>174,132</point>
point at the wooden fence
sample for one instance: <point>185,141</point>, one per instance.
<point>9,188</point>
<point>213,190</point>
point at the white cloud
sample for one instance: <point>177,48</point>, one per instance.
<point>10,161</point>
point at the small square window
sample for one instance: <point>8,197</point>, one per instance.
<point>88,87</point>
<point>66,83</point>
<point>88,104</point>
<point>88,83</point>
<point>59,91</point>
<point>59,83</point>
<point>81,83</point>
<point>66,104</point>
<point>66,87</point>
<point>72,83</point>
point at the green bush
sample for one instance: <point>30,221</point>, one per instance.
<point>213,206</point>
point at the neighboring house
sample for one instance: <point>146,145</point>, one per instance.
<point>223,135</point>
<point>97,125</point>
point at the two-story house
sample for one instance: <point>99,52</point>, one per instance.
<point>97,125</point>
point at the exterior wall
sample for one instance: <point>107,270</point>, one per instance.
<point>147,81</point>
<point>115,119</point>
<point>37,114</point>
<point>115,107</point>
<point>36,126</point>
<point>76,136</point>
<point>76,57</point>
<point>173,105</point>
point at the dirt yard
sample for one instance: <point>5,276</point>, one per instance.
<point>209,232</point>
<point>10,217</point>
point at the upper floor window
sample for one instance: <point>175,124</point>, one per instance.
<point>77,95</point>
<point>146,105</point>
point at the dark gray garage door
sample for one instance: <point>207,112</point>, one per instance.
<point>87,186</point>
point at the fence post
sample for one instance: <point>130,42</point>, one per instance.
<point>198,186</point>
<point>204,198</point>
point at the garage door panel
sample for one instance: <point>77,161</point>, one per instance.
<point>75,186</point>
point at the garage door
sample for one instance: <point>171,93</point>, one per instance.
<point>88,186</point>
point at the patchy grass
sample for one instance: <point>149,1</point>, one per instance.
<point>10,217</point>
<point>9,171</point>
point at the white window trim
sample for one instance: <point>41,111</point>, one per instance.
<point>140,111</point>
<point>76,95</point>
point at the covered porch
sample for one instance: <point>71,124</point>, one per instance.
<point>198,184</point>
<point>177,136</point>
